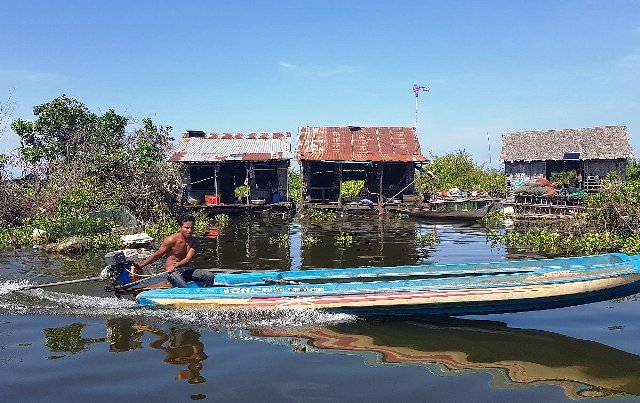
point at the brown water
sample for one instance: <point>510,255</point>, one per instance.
<point>78,343</point>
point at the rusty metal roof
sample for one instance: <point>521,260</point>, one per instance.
<point>354,143</point>
<point>603,142</point>
<point>196,146</point>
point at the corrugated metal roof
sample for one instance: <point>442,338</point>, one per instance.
<point>603,142</point>
<point>354,143</point>
<point>197,147</point>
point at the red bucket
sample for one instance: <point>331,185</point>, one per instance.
<point>212,200</point>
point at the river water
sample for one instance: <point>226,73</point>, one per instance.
<point>79,343</point>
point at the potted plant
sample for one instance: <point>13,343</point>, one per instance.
<point>241,193</point>
<point>349,190</point>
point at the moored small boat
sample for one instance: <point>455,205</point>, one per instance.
<point>437,289</point>
<point>452,210</point>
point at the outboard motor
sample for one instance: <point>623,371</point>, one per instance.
<point>118,266</point>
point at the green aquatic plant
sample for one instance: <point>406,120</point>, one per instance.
<point>104,242</point>
<point>494,218</point>
<point>221,219</point>
<point>427,239</point>
<point>282,240</point>
<point>323,215</point>
<point>203,222</point>
<point>553,243</point>
<point>309,240</point>
<point>42,231</point>
<point>344,239</point>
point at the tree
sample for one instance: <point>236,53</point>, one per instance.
<point>81,161</point>
<point>56,132</point>
<point>457,170</point>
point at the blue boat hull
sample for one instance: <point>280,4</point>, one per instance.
<point>456,289</point>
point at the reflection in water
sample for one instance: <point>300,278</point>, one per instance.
<point>244,243</point>
<point>68,339</point>
<point>377,241</point>
<point>584,369</point>
<point>181,346</point>
<point>124,335</point>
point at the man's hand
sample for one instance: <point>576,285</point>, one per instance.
<point>172,267</point>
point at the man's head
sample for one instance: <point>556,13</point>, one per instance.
<point>186,217</point>
<point>186,224</point>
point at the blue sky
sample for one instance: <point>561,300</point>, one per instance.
<point>266,66</point>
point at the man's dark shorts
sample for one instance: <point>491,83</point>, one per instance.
<point>182,275</point>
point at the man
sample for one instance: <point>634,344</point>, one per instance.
<point>365,197</point>
<point>179,249</point>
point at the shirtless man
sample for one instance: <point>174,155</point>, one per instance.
<point>179,249</point>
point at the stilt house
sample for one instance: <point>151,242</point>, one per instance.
<point>384,157</point>
<point>216,165</point>
<point>591,152</point>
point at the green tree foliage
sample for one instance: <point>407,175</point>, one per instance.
<point>80,161</point>
<point>295,185</point>
<point>633,170</point>
<point>612,223</point>
<point>62,128</point>
<point>457,170</point>
<point>351,189</point>
<point>152,144</point>
<point>617,207</point>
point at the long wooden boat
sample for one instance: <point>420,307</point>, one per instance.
<point>466,211</point>
<point>437,289</point>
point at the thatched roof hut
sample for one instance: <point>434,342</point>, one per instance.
<point>592,153</point>
<point>593,143</point>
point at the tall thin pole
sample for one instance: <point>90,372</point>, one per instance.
<point>489,147</point>
<point>416,90</point>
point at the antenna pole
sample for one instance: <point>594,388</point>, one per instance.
<point>489,146</point>
<point>416,90</point>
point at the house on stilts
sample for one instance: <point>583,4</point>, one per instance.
<point>591,152</point>
<point>573,160</point>
<point>234,172</point>
<point>385,158</point>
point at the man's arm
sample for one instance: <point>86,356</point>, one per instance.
<point>165,246</point>
<point>191,252</point>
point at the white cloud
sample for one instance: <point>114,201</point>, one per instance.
<point>631,58</point>
<point>287,65</point>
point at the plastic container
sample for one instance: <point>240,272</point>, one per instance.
<point>212,200</point>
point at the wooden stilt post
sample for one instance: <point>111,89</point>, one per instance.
<point>339,173</point>
<point>216,169</point>
<point>380,177</point>
<point>248,181</point>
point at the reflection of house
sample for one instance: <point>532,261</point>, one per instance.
<point>591,152</point>
<point>384,157</point>
<point>582,368</point>
<point>216,164</point>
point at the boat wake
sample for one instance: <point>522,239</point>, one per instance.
<point>15,300</point>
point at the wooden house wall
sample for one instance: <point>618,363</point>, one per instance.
<point>267,178</point>
<point>264,179</point>
<point>524,171</point>
<point>601,168</point>
<point>321,180</point>
<point>397,175</point>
